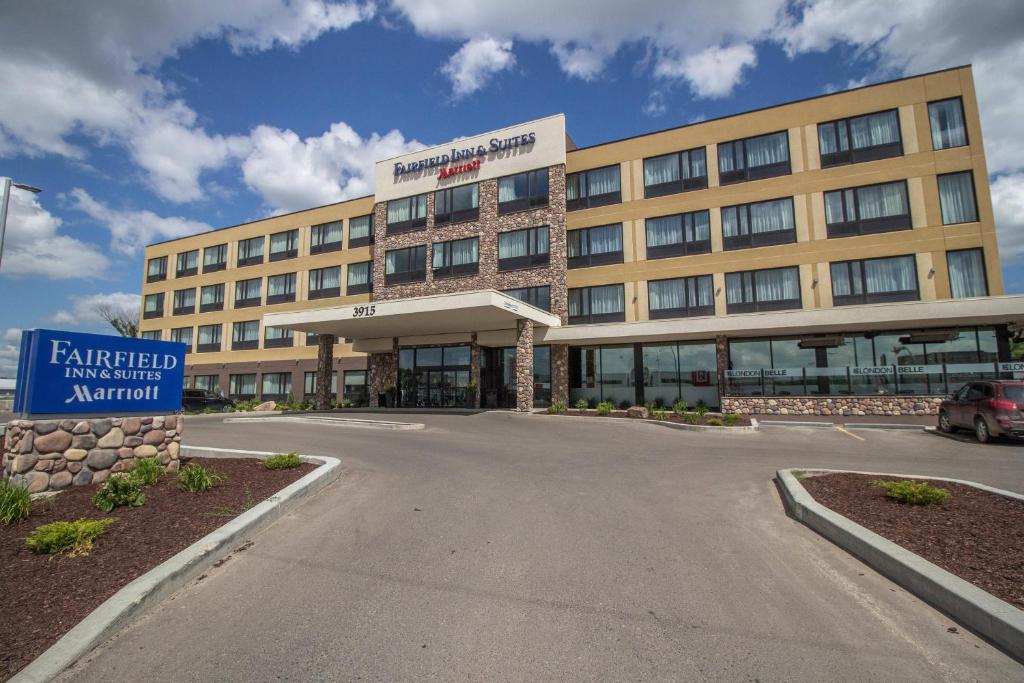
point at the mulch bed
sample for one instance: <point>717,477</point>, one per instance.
<point>45,596</point>
<point>976,535</point>
<point>742,421</point>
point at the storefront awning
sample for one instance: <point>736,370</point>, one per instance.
<point>463,312</point>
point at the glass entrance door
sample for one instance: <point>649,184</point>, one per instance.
<point>433,377</point>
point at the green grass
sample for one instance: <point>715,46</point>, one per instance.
<point>194,477</point>
<point>15,502</point>
<point>913,492</point>
<point>74,538</point>
<point>282,461</point>
<point>234,511</point>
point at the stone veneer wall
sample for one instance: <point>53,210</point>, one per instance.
<point>832,405</point>
<point>524,365</point>
<point>54,454</point>
<point>383,373</point>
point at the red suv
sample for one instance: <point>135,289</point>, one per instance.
<point>990,408</point>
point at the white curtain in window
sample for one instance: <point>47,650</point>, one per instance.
<point>967,273</point>
<point>399,210</point>
<point>328,233</point>
<point>325,278</point>
<point>271,332</point>
<point>699,291</point>
<point>827,139</point>
<point>280,284</point>
<point>465,251</point>
<point>730,156</point>
<point>183,335</point>
<point>734,221</point>
<point>573,183</point>
<point>214,255</point>
<point>603,181</point>
<point>841,279</point>
<point>666,294</point>
<point>767,150</point>
<point>280,242</point>
<point>391,262</point>
<point>605,239</point>
<point>781,284</point>
<point>882,200</point>
<point>209,334</point>
<point>947,121</point>
<point>771,216</point>
<point>513,244</point>
<point>660,170</point>
<point>890,275</point>
<point>956,195</point>
<point>360,227</point>
<point>609,299</point>
<point>834,207</point>
<point>698,226</point>
<point>734,288</point>
<point>664,230</point>
<point>358,274</point>
<point>696,166</point>
<point>576,299</point>
<point>507,188</point>
<point>874,130</point>
<point>188,298</point>
<point>211,295</point>
<point>542,240</point>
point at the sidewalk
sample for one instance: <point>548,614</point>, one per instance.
<point>917,420</point>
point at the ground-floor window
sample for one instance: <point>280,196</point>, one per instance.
<point>309,385</point>
<point>355,387</point>
<point>208,382</point>
<point>433,376</point>
<point>277,386</point>
<point>242,387</point>
<point>498,377</point>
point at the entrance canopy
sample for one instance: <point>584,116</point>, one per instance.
<point>462,312</point>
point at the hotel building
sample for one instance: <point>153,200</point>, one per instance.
<point>832,254</point>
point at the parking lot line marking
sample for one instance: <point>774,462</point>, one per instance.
<point>848,433</point>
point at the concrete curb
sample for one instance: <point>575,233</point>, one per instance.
<point>174,573</point>
<point>332,421</point>
<point>217,416</point>
<point>744,429</point>
<point>987,615</point>
<point>844,425</point>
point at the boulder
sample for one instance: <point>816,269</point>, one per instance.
<point>75,454</point>
<point>132,441</point>
<point>637,411</point>
<point>146,451</point>
<point>54,442</point>
<point>171,422</point>
<point>60,480</point>
<point>25,444</point>
<point>172,466</point>
<point>154,437</point>
<point>112,439</point>
<point>37,481</point>
<point>158,423</point>
<point>101,427</point>
<point>265,407</point>
<point>123,465</point>
<point>75,467</point>
<point>46,426</point>
<point>131,425</point>
<point>82,477</point>
<point>172,449</point>
<point>24,463</point>
<point>101,458</point>
<point>43,466</point>
<point>125,452</point>
<point>100,477</point>
<point>67,425</point>
<point>84,441</point>
<point>82,427</point>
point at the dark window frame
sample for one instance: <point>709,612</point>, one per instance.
<point>287,297</point>
<point>414,274</point>
<point>293,246</point>
<point>856,267</point>
<point>250,302</point>
<point>325,247</point>
<point>161,274</point>
<point>590,201</point>
<point>188,345</point>
<point>590,318</point>
<point>532,297</point>
<point>241,262</point>
<point>687,311</point>
<point>158,312</point>
<point>244,344</point>
<point>869,226</point>
<point>450,270</point>
<point>326,292</point>
<point>681,185</point>
<point>752,240</point>
<point>216,305</point>
<point>589,260</point>
<point>360,241</point>
<point>746,173</point>
<point>756,306</point>
<point>974,195</point>
<point>451,216</point>
<point>277,342</point>
<point>963,115</point>
<point>186,272</point>
<point>533,258</point>
<point>364,288</point>
<point>531,201</point>
<point>413,224</point>
<point>218,265</point>
<point>212,346</point>
<point>683,248</point>
<point>183,310</point>
<point>857,156</point>
<point>984,265</point>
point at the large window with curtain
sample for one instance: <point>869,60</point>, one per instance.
<point>250,251</point>
<point>681,297</point>
<point>245,335</point>
<point>284,245</point>
<point>184,301</point>
<point>527,248</point>
<point>211,298</point>
<point>604,304</point>
<point>523,191</point>
<point>868,209</point>
<point>763,156</point>
<point>946,118</point>
<point>773,289</point>
<point>325,237</point>
<point>188,263</point>
<point>595,246</point>
<point>208,383</point>
<point>156,269</point>
<point>360,278</point>
<point>152,335</point>
<point>325,282</point>
<point>405,265</point>
<point>183,335</point>
<point>281,288</point>
<point>956,198</point>
<point>677,172</point>
<point>456,258</point>
<point>247,292</point>
<point>759,224</point>
<point>309,384</point>
<point>597,187</point>
<point>681,234</point>
<point>277,337</point>
<point>355,387</point>
<point>539,297</point>
<point>875,280</point>
<point>242,386</point>
<point>277,386</point>
<point>407,214</point>
<point>153,306</point>
<point>208,338</point>
<point>360,231</point>
<point>215,258</point>
<point>860,138</point>
<point>967,273</point>
<point>457,204</point>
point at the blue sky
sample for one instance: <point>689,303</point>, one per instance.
<point>146,120</point>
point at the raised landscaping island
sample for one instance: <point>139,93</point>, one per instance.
<point>679,413</point>
<point>48,594</point>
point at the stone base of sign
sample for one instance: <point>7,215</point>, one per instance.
<point>49,455</point>
<point>832,405</point>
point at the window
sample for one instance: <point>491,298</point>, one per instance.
<point>679,235</point>
<point>245,335</point>
<point>540,297</point>
<point>764,156</point>
<point>458,257</point>
<point>215,258</point>
<point>153,306</point>
<point>184,301</point>
<point>360,280</point>
<point>211,298</point>
<point>156,269</point>
<point>598,187</point>
<point>325,282</point>
<point>153,335</point>
<point>276,385</point>
<point>457,204</point>
<point>188,263</point>
<point>313,339</point>
<point>861,138</point>
<point>605,304</point>
<point>759,224</point>
<point>250,251</point>
<point>309,384</point>
<point>869,209</point>
<point>967,273</point>
<point>405,215</point>
<point>672,173</point>
<point>360,231</point>
<point>876,280</point>
<point>247,292</point>
<point>242,386</point>
<point>595,246</point>
<point>325,237</point>
<point>284,245</point>
<point>183,335</point>
<point>947,121</point>
<point>762,290</point>
<point>281,288</point>
<point>681,297</point>
<point>208,338</point>
<point>355,387</point>
<point>523,248</point>
<point>523,191</point>
<point>209,383</point>
<point>277,337</point>
<point>405,265</point>
<point>956,197</point>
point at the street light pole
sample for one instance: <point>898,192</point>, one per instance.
<point>4,201</point>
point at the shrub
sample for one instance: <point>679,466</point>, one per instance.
<point>679,408</point>
<point>701,409</point>
<point>282,461</point>
<point>714,422</point>
<point>74,538</point>
<point>147,471</point>
<point>194,477</point>
<point>731,419</point>
<point>605,408</point>
<point>625,405</point>
<point>15,502</point>
<point>913,492</point>
<point>691,419</point>
<point>246,406</point>
<point>557,408</point>
<point>660,414</point>
<point>120,489</point>
<point>582,405</point>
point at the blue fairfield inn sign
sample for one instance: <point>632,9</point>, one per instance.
<point>71,372</point>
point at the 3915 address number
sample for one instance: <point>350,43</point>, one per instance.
<point>364,311</point>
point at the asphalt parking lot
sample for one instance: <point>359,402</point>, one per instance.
<point>498,546</point>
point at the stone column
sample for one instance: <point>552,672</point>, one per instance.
<point>324,366</point>
<point>524,365</point>
<point>474,370</point>
<point>383,374</point>
<point>722,355</point>
<point>560,373</point>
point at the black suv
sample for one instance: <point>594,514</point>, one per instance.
<point>201,399</point>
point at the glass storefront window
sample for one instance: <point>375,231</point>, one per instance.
<point>617,378</point>
<point>661,373</point>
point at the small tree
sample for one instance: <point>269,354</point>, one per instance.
<point>124,319</point>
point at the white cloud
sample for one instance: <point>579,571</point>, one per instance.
<point>655,104</point>
<point>84,309</point>
<point>1008,203</point>
<point>476,62</point>
<point>292,173</point>
<point>34,244</point>
<point>713,72</point>
<point>130,230</point>
<point>10,349</point>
